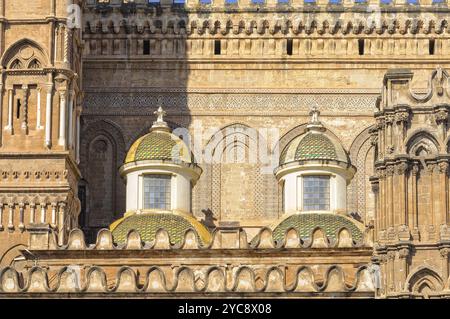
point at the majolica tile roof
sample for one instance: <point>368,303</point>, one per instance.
<point>147,224</point>
<point>315,146</point>
<point>305,223</point>
<point>157,145</point>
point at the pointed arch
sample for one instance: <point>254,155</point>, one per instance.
<point>24,50</point>
<point>247,149</point>
<point>424,281</point>
<point>421,142</point>
<point>360,195</point>
<point>102,151</point>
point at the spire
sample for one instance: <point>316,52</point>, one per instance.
<point>314,122</point>
<point>160,124</point>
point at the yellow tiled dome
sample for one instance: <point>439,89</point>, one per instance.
<point>312,146</point>
<point>148,223</point>
<point>159,145</point>
<point>305,223</point>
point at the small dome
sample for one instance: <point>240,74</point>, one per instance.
<point>159,145</point>
<point>312,146</point>
<point>315,146</point>
<point>148,223</point>
<point>305,223</point>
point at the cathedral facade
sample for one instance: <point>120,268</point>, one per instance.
<point>211,148</point>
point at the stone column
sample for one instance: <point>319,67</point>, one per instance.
<point>445,265</point>
<point>9,126</point>
<point>443,187</point>
<point>401,118</point>
<point>38,109</point>
<point>403,255</point>
<point>70,129</point>
<point>401,192</point>
<point>390,196</point>
<point>43,212</point>
<point>62,118</point>
<point>375,183</point>
<point>1,217</point>
<point>1,107</point>
<point>382,201</point>
<point>389,120</point>
<point>77,151</point>
<point>53,217</point>
<point>391,270</point>
<point>48,116</point>
<point>432,213</point>
<point>61,222</point>
<point>415,210</point>
<point>24,115</point>
<point>11,217</point>
<point>381,136</point>
<point>32,213</point>
<point>21,216</point>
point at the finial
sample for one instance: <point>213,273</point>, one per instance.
<point>314,122</point>
<point>314,113</point>
<point>160,123</point>
<point>160,115</point>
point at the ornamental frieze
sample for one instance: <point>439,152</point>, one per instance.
<point>144,103</point>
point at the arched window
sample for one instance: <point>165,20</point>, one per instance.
<point>34,64</point>
<point>16,65</point>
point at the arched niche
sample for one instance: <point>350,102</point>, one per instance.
<point>237,186</point>
<point>425,282</point>
<point>102,152</point>
<point>422,144</point>
<point>24,54</point>
<point>360,196</point>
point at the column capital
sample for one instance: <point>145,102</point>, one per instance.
<point>444,252</point>
<point>391,255</point>
<point>49,87</point>
<point>403,253</point>
<point>443,167</point>
<point>63,93</point>
<point>401,168</point>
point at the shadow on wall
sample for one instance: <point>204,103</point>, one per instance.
<point>134,62</point>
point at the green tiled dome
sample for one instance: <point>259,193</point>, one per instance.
<point>305,223</point>
<point>158,145</point>
<point>315,146</point>
<point>312,146</point>
<point>147,224</point>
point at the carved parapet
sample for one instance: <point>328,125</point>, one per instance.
<point>296,18</point>
<point>43,237</point>
<point>267,280</point>
<point>228,235</point>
